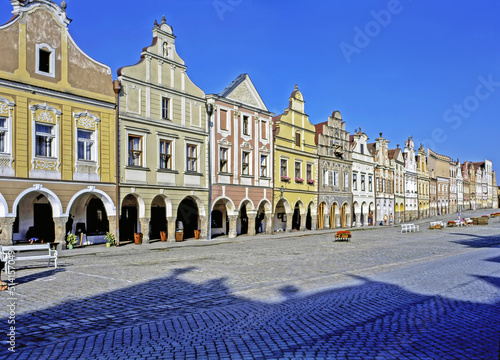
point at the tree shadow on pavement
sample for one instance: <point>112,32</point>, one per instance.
<point>171,318</point>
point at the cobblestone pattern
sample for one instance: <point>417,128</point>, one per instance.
<point>430,295</point>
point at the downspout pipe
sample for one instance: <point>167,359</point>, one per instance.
<point>117,88</point>
<point>210,110</point>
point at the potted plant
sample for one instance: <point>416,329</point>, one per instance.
<point>138,238</point>
<point>163,236</point>
<point>285,178</point>
<point>299,180</point>
<point>110,239</point>
<point>310,181</point>
<point>71,240</point>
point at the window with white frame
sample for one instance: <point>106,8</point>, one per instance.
<point>335,178</point>
<point>370,183</point>
<point>297,170</point>
<point>362,182</point>
<point>354,181</point>
<point>86,145</point>
<point>283,168</point>
<point>45,60</point>
<point>166,154</point>
<point>44,134</point>
<point>263,165</point>
<point>134,150</point>
<point>223,119</point>
<point>246,125</point>
<point>223,156</point>
<point>191,157</point>
<point>245,163</point>
<point>263,130</point>
<point>165,107</point>
<point>346,180</point>
<point>4,130</point>
<point>309,172</point>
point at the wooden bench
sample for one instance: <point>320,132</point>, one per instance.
<point>409,228</point>
<point>14,254</point>
<point>437,225</point>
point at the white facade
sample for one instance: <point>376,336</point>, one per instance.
<point>460,187</point>
<point>363,179</point>
<point>411,181</point>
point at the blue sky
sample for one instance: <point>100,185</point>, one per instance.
<point>420,68</point>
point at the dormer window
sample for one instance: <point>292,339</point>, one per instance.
<point>45,60</point>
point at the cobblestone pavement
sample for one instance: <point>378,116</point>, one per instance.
<point>384,295</point>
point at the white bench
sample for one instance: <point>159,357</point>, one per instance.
<point>409,228</point>
<point>13,253</point>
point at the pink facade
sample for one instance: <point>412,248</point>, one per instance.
<point>241,161</point>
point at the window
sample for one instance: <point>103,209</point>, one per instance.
<point>223,160</point>
<point>3,134</point>
<point>164,107</point>
<point>346,180</point>
<point>44,60</point>
<point>134,150</point>
<point>245,162</point>
<point>245,125</point>
<point>297,139</point>
<point>85,145</point>
<point>223,119</point>
<point>362,183</point>
<point>335,178</point>
<point>166,154</point>
<point>330,178</point>
<point>309,172</point>
<point>355,181</point>
<point>283,169</point>
<point>263,129</point>
<point>362,148</point>
<point>263,165</point>
<point>297,169</point>
<point>190,157</point>
<point>44,137</point>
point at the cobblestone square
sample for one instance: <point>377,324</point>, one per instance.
<point>433,294</point>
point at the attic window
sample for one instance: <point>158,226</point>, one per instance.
<point>45,60</point>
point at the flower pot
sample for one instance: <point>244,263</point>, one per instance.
<point>163,235</point>
<point>179,235</point>
<point>197,234</point>
<point>70,246</point>
<point>108,245</point>
<point>138,238</point>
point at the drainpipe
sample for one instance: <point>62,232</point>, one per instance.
<point>116,89</point>
<point>210,110</point>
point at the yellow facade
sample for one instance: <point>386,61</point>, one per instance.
<point>57,116</point>
<point>295,164</point>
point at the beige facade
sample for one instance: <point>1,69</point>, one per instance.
<point>163,145</point>
<point>335,169</point>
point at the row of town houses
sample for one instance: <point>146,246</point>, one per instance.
<point>151,152</point>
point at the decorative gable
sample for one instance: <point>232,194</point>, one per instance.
<point>242,90</point>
